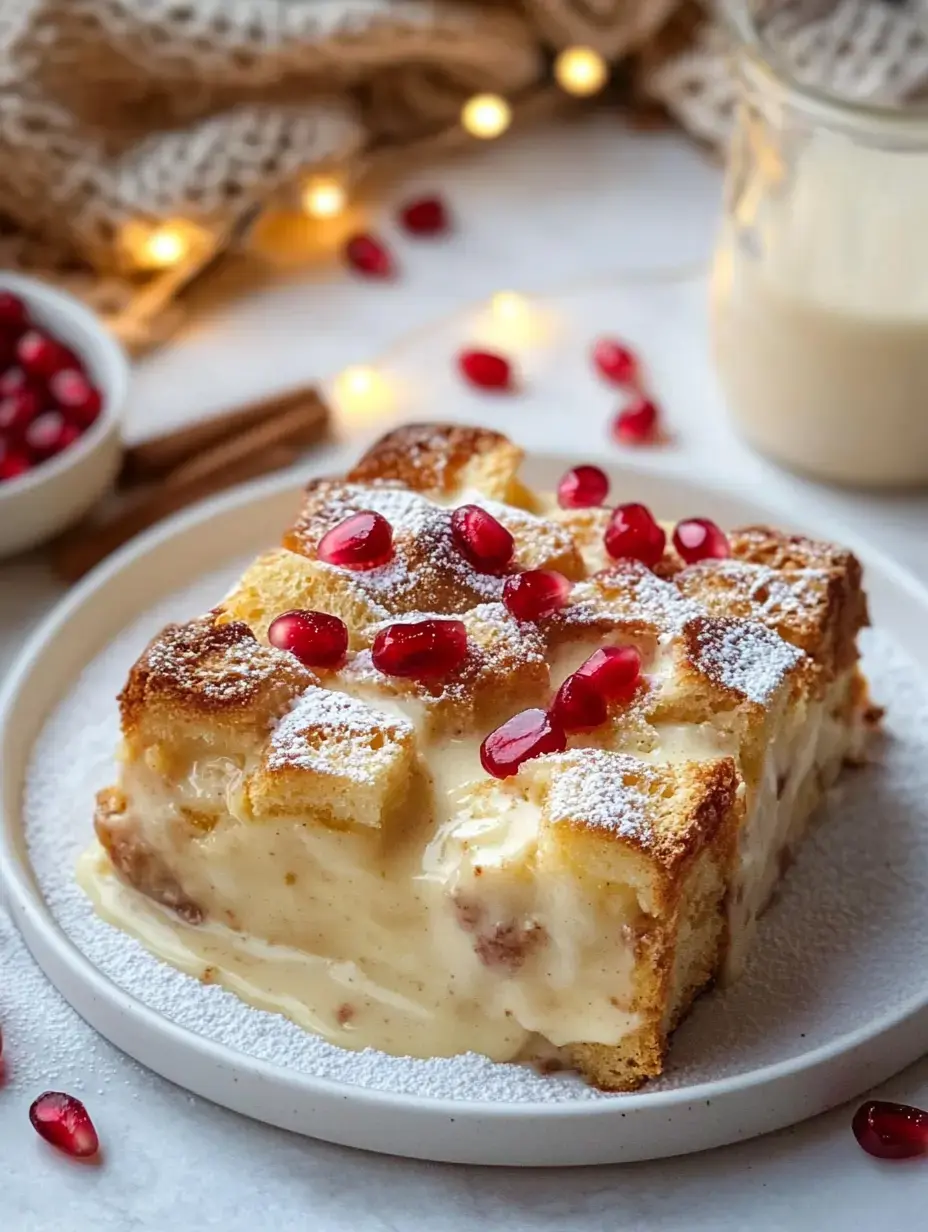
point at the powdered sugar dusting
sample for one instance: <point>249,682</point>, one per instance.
<point>332,733</point>
<point>608,791</point>
<point>742,655</point>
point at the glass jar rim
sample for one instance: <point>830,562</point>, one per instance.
<point>763,69</point>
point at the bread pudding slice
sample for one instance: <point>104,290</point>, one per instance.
<point>327,841</point>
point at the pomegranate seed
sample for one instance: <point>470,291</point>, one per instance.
<point>637,423</point>
<point>370,256</point>
<point>699,539</point>
<point>535,593</point>
<point>485,542</point>
<point>891,1131</point>
<point>76,396</point>
<point>63,1121</point>
<point>486,370</point>
<point>616,362</point>
<point>579,705</point>
<point>43,356</point>
<point>13,463</point>
<point>583,488</point>
<point>316,638</point>
<point>525,735</point>
<point>613,671</point>
<point>425,216</point>
<point>46,435</point>
<point>421,650</point>
<point>363,541</point>
<point>12,381</point>
<point>632,532</point>
<point>18,410</point>
<point>14,315</point>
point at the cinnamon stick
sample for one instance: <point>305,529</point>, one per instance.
<point>155,457</point>
<point>78,551</point>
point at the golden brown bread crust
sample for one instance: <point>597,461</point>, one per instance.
<point>442,459</point>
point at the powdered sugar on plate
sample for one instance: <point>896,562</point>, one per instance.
<point>846,942</point>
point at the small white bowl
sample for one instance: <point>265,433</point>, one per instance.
<point>56,493</point>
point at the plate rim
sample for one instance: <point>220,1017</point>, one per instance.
<point>36,922</point>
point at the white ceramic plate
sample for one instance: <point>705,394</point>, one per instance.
<point>786,1043</point>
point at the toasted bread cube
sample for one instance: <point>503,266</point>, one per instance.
<point>335,761</point>
<point>444,461</point>
<point>281,581</point>
<point>207,687</point>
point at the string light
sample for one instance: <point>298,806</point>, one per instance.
<point>581,71</point>
<point>323,197</point>
<point>486,116</point>
<point>162,246</point>
<point>362,395</point>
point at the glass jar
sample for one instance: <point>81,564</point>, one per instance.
<point>820,279</point>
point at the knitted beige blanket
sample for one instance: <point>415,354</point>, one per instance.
<point>119,110</point>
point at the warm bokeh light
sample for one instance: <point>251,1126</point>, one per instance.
<point>323,197</point>
<point>509,305</point>
<point>362,396</point>
<point>581,70</point>
<point>486,116</point>
<point>165,245</point>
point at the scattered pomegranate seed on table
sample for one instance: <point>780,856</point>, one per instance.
<point>370,256</point>
<point>317,639</point>
<point>526,735</point>
<point>482,539</point>
<point>616,362</point>
<point>638,423</point>
<point>579,705</point>
<point>486,370</point>
<point>891,1131</point>
<point>362,541</point>
<point>700,539</point>
<point>420,650</point>
<point>633,533</point>
<point>425,216</point>
<point>536,593</point>
<point>63,1121</point>
<point>614,671</point>
<point>583,487</point>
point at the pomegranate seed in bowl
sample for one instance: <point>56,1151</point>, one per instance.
<point>583,487</point>
<point>18,409</point>
<point>42,356</point>
<point>63,1121</point>
<point>14,315</point>
<point>76,396</point>
<point>13,462</point>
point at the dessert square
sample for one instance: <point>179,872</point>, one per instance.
<point>533,802</point>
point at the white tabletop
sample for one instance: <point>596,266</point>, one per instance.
<point>543,211</point>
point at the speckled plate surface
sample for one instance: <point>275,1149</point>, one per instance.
<point>835,998</point>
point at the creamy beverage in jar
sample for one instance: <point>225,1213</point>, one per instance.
<point>820,290</point>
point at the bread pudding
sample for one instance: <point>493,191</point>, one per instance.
<point>461,766</point>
